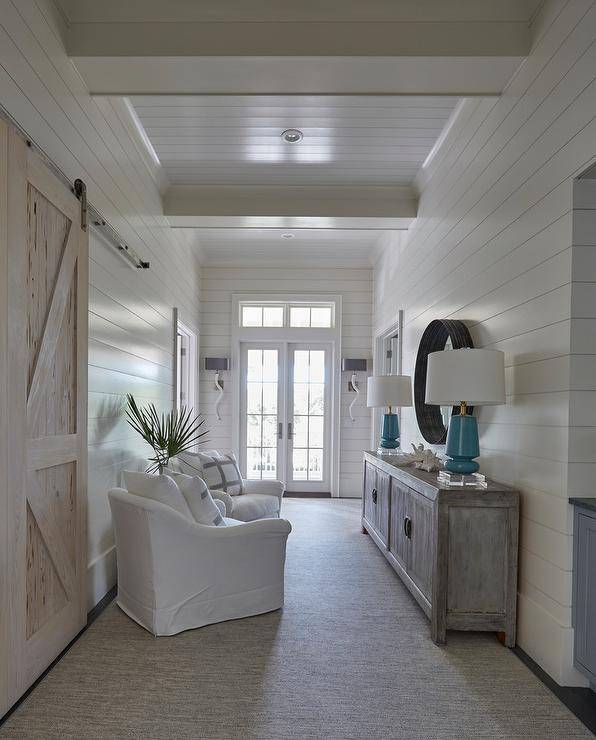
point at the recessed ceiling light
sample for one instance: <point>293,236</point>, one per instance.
<point>287,236</point>
<point>292,136</point>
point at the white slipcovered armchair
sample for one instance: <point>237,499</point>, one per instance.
<point>260,499</point>
<point>175,574</point>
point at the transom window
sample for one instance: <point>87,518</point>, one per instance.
<point>293,315</point>
<point>262,316</point>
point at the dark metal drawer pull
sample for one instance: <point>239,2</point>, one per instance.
<point>374,495</point>
<point>408,527</point>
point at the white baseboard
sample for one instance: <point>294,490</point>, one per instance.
<point>101,576</point>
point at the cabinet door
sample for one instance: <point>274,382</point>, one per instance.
<point>399,544</point>
<point>585,591</point>
<point>382,520</point>
<point>370,493</point>
<point>420,512</point>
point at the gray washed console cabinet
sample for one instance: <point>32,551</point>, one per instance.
<point>454,548</point>
<point>584,587</point>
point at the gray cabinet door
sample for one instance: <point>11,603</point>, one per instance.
<point>383,493</point>
<point>585,590</point>
<point>399,544</point>
<point>420,512</point>
<point>370,488</point>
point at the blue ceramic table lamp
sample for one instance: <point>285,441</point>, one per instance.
<point>389,391</point>
<point>465,377</point>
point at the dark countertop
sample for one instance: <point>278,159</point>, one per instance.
<point>586,503</point>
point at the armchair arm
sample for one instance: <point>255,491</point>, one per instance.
<point>225,498</point>
<point>265,487</point>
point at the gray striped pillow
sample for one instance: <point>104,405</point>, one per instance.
<point>220,471</point>
<point>199,500</point>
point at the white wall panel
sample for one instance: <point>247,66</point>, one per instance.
<point>493,246</point>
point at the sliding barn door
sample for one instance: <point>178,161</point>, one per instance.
<point>46,314</point>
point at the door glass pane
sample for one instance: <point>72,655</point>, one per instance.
<point>269,431</point>
<point>315,432</point>
<point>317,398</point>
<point>269,463</point>
<point>317,366</point>
<point>301,366</point>
<point>253,430</point>
<point>300,431</point>
<point>308,415</point>
<point>315,464</point>
<point>300,398</point>
<point>261,413</point>
<point>300,465</point>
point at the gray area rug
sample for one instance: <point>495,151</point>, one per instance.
<point>349,656</point>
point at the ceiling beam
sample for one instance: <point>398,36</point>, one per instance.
<point>300,39</point>
<point>325,207</point>
<point>456,76</point>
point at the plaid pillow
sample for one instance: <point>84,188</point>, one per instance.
<point>219,471</point>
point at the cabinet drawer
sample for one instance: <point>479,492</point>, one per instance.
<point>422,541</point>
<point>585,588</point>
<point>382,512</point>
<point>369,493</point>
<point>399,544</point>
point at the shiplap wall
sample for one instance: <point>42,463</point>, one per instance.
<point>355,287</point>
<point>492,246</point>
<point>131,329</point>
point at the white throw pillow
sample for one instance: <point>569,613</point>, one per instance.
<point>220,471</point>
<point>199,500</point>
<point>160,488</point>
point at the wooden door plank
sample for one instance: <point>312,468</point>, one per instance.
<point>82,412</point>
<point>17,406</point>
<point>4,489</point>
<point>51,534</point>
<point>44,452</point>
<point>51,333</point>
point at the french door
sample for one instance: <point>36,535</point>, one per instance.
<point>285,404</point>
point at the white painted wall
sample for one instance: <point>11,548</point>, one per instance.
<point>355,287</point>
<point>492,246</point>
<point>131,322</point>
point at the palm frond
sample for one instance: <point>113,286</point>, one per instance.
<point>167,434</point>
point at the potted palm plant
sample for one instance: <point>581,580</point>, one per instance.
<point>167,434</point>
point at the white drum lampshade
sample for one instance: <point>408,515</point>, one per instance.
<point>389,390</point>
<point>476,376</point>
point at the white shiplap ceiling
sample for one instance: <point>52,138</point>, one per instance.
<point>235,140</point>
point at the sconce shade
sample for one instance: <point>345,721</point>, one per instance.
<point>216,363</point>
<point>476,376</point>
<point>353,365</point>
<point>389,390</point>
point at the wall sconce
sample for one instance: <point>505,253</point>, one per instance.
<point>218,364</point>
<point>354,366</point>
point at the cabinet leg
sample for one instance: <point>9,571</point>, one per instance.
<point>438,630</point>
